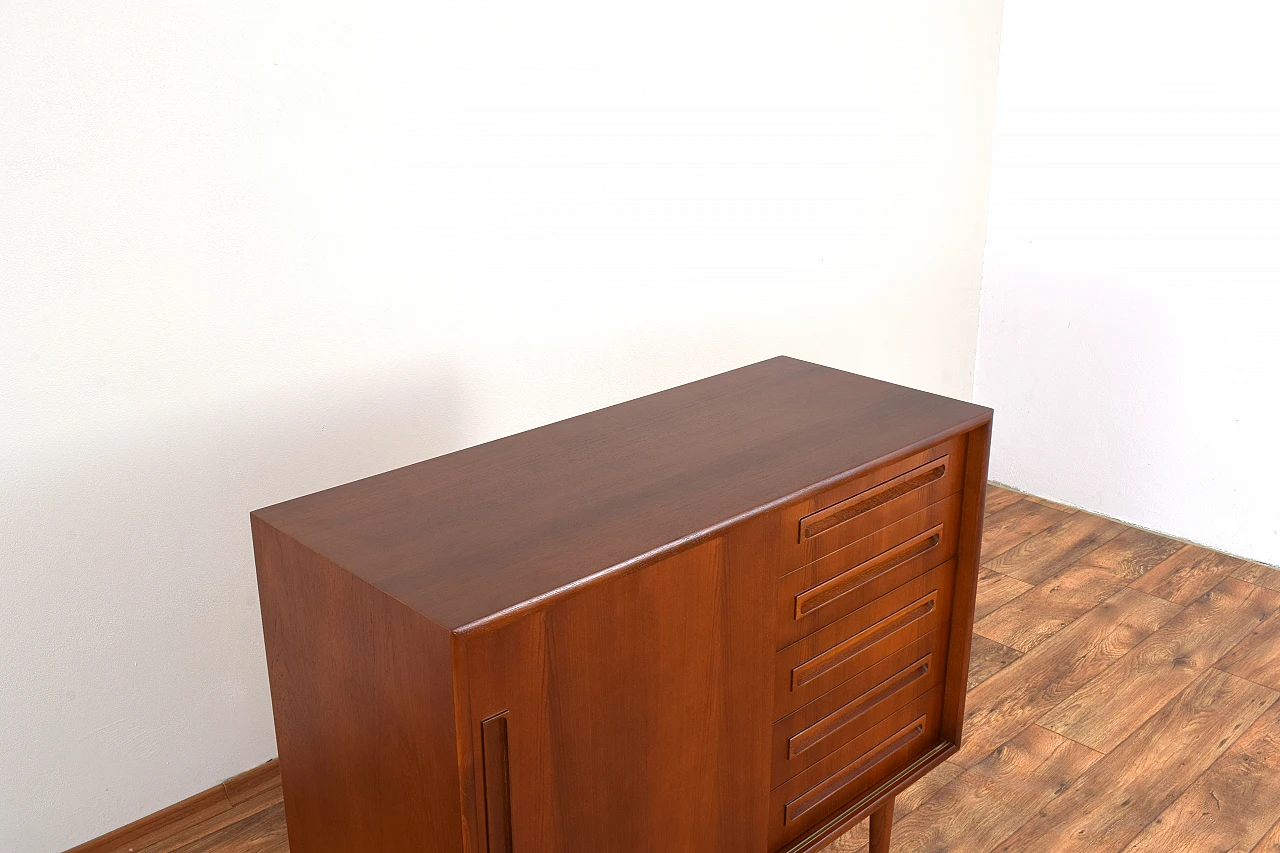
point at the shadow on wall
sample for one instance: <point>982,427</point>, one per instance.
<point>133,662</point>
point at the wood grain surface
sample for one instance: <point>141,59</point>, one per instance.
<point>999,497</point>
<point>1187,574</point>
<point>1257,656</point>
<point>1131,554</point>
<point>1270,842</point>
<point>1196,769</point>
<point>359,699</point>
<point>1039,557</point>
<point>1014,524</point>
<point>591,677</point>
<point>1116,798</point>
<point>1040,680</point>
<point>1048,607</point>
<point>992,799</point>
<point>614,488</point>
<point>996,590</point>
<point>1053,504</point>
<point>986,658</point>
<point>1109,708</point>
<point>1259,575</point>
<point>1198,821</point>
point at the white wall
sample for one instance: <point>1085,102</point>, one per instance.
<point>250,250</point>
<point>1131,295</point>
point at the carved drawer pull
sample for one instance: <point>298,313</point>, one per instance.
<point>873,498</point>
<point>815,796</point>
<point>825,593</point>
<point>833,722</point>
<point>836,655</point>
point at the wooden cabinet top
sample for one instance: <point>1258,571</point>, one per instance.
<point>469,535</point>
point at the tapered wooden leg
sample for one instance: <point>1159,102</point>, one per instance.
<point>881,826</point>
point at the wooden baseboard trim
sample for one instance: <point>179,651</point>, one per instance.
<point>250,783</point>
<point>189,812</point>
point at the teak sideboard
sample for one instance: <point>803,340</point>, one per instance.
<point>731,617</point>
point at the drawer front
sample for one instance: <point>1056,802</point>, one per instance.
<point>810,667</point>
<point>858,507</point>
<point>855,769</point>
<point>827,589</point>
<point>833,719</point>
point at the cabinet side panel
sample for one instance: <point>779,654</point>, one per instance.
<point>362,692</point>
<point>977,455</point>
<point>639,708</point>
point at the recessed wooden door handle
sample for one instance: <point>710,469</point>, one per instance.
<point>497,783</point>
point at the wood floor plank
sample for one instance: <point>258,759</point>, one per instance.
<point>1188,574</point>
<point>856,841</point>
<point>999,497</point>
<point>1016,696</point>
<point>987,658</point>
<point>919,793</point>
<point>1259,575</point>
<point>989,801</point>
<point>1257,656</point>
<point>1112,801</point>
<point>1008,527</point>
<point>1103,712</point>
<point>261,832</point>
<point>995,590</point>
<point>1048,607</point>
<point>1199,822</point>
<point>1053,549</point>
<point>1053,504</point>
<point>1270,842</point>
<point>244,809</point>
<point>1133,553</point>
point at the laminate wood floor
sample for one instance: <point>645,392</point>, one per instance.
<point>1124,697</point>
